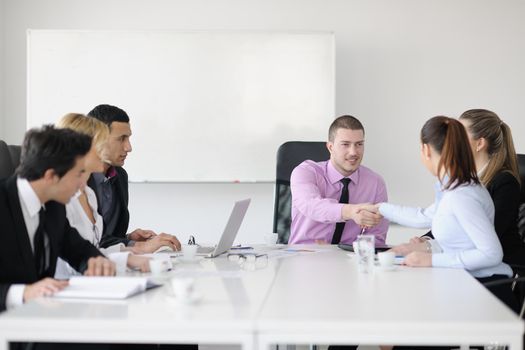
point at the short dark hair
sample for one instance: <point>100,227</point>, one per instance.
<point>109,114</point>
<point>51,148</point>
<point>344,122</point>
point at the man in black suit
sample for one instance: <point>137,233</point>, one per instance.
<point>111,188</point>
<point>34,230</point>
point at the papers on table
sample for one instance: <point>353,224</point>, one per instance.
<point>104,287</point>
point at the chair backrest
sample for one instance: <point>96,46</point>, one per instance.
<point>9,159</point>
<point>15,152</point>
<point>289,155</point>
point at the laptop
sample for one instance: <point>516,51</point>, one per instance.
<point>230,231</point>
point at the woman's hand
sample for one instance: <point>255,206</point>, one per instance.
<point>419,259</point>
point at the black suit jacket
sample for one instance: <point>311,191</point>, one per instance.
<point>17,264</point>
<point>505,192</point>
<point>120,190</point>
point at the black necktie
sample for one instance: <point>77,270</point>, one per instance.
<point>40,246</point>
<point>339,227</point>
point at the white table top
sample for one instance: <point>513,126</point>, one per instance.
<point>314,297</point>
<point>322,298</point>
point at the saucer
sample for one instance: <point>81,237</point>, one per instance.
<point>193,299</point>
<point>185,260</point>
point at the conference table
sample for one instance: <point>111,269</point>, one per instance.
<point>293,295</point>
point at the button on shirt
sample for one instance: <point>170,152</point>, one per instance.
<point>31,206</point>
<point>316,189</point>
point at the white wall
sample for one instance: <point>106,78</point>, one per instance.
<point>398,63</point>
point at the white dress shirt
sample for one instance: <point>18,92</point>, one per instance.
<point>92,232</point>
<point>462,222</point>
<point>31,206</point>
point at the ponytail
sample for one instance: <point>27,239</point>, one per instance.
<point>449,138</point>
<point>486,124</point>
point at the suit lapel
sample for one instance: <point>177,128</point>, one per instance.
<point>91,183</point>
<point>22,237</point>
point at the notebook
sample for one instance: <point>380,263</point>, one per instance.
<point>105,287</point>
<point>230,231</point>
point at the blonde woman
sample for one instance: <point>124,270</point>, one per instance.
<point>497,166</point>
<point>82,210</point>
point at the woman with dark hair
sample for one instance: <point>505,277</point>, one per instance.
<point>462,215</point>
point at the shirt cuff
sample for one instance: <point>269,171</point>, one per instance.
<point>130,243</point>
<point>15,296</point>
<point>121,261</point>
<point>434,245</point>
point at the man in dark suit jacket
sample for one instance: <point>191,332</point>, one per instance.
<point>111,188</point>
<point>34,230</point>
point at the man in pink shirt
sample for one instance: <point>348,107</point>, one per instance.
<point>320,200</point>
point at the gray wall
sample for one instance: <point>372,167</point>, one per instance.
<point>398,63</point>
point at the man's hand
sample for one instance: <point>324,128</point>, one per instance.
<point>155,243</point>
<point>43,288</point>
<point>419,259</point>
<point>138,263</point>
<point>141,235</point>
<point>100,266</point>
<point>365,215</point>
<point>407,248</point>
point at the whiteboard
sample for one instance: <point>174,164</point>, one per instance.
<point>204,106</point>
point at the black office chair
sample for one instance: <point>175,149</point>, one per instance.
<point>289,155</point>
<point>9,159</point>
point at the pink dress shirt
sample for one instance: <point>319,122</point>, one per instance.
<point>316,189</point>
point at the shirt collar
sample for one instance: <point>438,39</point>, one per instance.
<point>335,176</point>
<point>111,173</point>
<point>104,177</point>
<point>28,196</point>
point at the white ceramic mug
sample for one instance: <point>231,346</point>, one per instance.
<point>271,238</point>
<point>386,259</point>
<point>182,287</point>
<point>189,251</point>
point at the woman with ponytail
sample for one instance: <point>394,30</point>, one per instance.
<point>462,214</point>
<point>497,167</point>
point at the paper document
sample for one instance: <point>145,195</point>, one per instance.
<point>104,287</point>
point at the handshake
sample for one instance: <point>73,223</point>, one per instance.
<point>365,215</point>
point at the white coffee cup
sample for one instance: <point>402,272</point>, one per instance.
<point>158,266</point>
<point>386,259</point>
<point>271,238</point>
<point>189,251</point>
<point>182,287</point>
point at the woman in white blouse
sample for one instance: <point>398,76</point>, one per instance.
<point>82,211</point>
<point>462,215</point>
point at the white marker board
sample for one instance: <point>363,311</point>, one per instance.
<point>204,106</point>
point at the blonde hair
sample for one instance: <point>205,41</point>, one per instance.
<point>98,131</point>
<point>486,124</point>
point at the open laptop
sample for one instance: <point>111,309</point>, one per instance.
<point>230,231</point>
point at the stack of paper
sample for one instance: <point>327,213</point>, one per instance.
<point>104,287</point>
